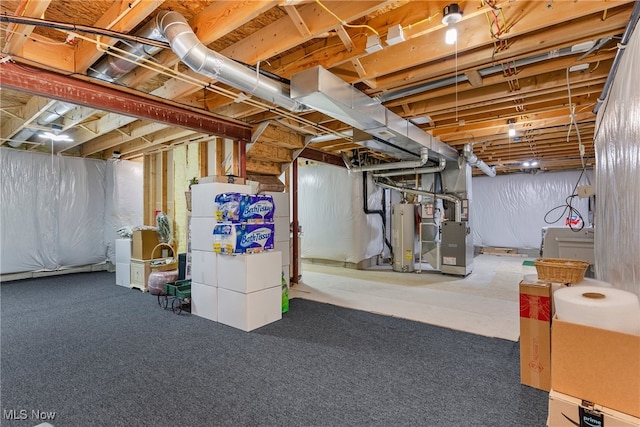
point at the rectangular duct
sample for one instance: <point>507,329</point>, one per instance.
<point>389,133</point>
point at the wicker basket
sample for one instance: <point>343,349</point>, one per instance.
<point>560,270</point>
<point>164,266</point>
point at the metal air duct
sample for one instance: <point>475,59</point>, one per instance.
<point>409,164</point>
<point>418,171</point>
<point>59,110</point>
<point>201,59</point>
<point>110,68</point>
<point>473,160</point>
<point>390,133</point>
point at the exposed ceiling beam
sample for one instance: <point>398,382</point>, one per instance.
<point>80,92</point>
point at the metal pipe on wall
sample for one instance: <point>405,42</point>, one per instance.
<point>449,197</point>
<point>419,171</point>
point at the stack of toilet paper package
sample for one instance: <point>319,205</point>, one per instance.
<point>245,223</point>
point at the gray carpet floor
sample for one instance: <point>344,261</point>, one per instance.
<point>97,354</point>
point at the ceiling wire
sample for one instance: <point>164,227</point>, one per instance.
<point>343,22</point>
<point>208,86</point>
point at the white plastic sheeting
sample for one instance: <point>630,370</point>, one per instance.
<point>331,213</point>
<point>52,214</point>
<point>509,210</point>
<point>124,200</point>
<point>617,144</point>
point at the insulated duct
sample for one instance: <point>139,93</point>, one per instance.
<point>473,160</point>
<point>201,59</point>
<point>392,185</point>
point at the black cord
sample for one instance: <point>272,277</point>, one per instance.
<point>568,207</point>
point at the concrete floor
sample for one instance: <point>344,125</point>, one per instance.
<point>486,302</point>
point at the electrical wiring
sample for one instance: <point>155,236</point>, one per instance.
<point>37,39</point>
<point>81,28</point>
<point>344,23</point>
<point>427,19</point>
<point>154,66</point>
<point>574,123</point>
<point>568,211</point>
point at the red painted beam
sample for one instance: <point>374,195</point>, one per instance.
<point>110,98</point>
<point>322,157</point>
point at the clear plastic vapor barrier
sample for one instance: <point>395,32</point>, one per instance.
<point>617,144</point>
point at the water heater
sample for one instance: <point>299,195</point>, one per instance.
<point>403,232</point>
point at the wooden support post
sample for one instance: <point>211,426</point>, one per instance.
<point>242,163</point>
<point>235,170</point>
<point>219,156</point>
<point>149,194</point>
<point>204,158</point>
<point>164,203</point>
<point>294,202</point>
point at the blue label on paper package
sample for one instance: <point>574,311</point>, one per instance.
<point>243,238</point>
<point>255,237</point>
<point>257,208</point>
<point>228,206</point>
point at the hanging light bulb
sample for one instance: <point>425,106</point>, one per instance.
<point>451,36</point>
<point>451,14</point>
<point>512,129</point>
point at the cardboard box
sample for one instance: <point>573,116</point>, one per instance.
<point>249,311</point>
<point>225,179</point>
<point>204,301</point>
<point>250,272</point>
<point>535,335</point>
<point>204,267</point>
<point>203,197</point>
<point>202,233</point>
<point>597,365</point>
<point>143,243</point>
<point>567,411</point>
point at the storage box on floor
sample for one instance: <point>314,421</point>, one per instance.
<point>597,365</point>
<point>567,411</point>
<point>242,291</point>
<point>535,334</point>
<point>143,243</point>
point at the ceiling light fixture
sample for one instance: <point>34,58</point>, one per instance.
<point>54,137</point>
<point>451,15</point>
<point>512,129</point>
